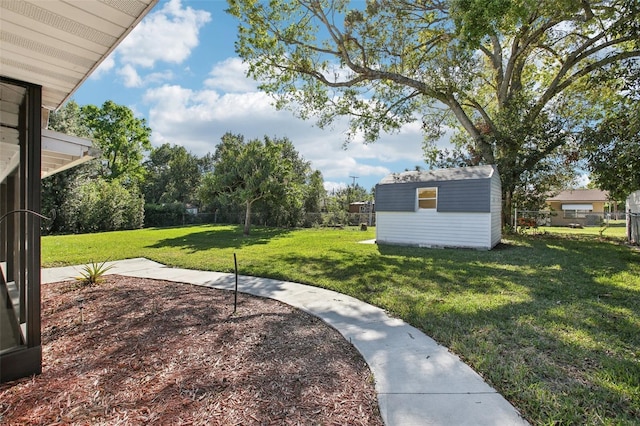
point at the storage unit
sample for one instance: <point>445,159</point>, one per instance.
<point>458,207</point>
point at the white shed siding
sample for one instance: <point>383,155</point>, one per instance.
<point>431,228</point>
<point>496,209</point>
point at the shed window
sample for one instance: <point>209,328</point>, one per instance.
<point>427,198</point>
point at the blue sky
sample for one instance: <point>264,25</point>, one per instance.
<point>178,69</point>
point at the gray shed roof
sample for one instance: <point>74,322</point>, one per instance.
<point>460,173</point>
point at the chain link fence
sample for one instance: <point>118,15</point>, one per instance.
<point>570,218</point>
<point>532,219</point>
<point>308,220</point>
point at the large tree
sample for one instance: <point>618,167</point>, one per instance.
<point>122,138</point>
<point>518,79</point>
<point>56,188</point>
<point>255,171</point>
<point>68,196</point>
<point>68,119</point>
<point>613,151</point>
<point>173,175</point>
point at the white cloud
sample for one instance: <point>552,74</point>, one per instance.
<point>167,35</point>
<point>104,68</point>
<point>197,119</point>
<point>230,76</point>
<point>164,36</point>
<point>130,76</point>
<point>334,186</point>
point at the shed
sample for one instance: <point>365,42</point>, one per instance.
<point>457,207</point>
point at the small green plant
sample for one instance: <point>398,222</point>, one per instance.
<point>92,273</point>
<point>602,229</point>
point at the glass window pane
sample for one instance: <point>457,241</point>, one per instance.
<point>426,193</point>
<point>427,204</point>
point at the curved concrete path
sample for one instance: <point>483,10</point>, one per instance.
<point>418,381</point>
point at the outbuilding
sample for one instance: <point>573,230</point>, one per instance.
<point>457,207</point>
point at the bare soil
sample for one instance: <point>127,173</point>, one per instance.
<point>139,351</point>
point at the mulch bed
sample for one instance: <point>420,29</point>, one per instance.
<point>139,351</point>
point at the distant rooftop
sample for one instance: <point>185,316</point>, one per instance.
<point>459,173</point>
<point>581,195</point>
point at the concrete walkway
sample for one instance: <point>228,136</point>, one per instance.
<point>418,381</point>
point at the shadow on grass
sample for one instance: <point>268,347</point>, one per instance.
<point>550,322</point>
<point>220,237</point>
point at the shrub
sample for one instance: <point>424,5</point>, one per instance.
<point>99,205</point>
<point>164,214</point>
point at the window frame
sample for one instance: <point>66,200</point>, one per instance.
<point>434,198</point>
<point>576,214</point>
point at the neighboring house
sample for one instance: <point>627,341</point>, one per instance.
<point>191,209</point>
<point>362,212</point>
<point>460,207</point>
<point>362,207</point>
<point>47,49</point>
<point>632,208</point>
<point>584,207</point>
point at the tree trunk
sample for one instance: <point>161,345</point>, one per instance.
<point>507,207</point>
<point>247,219</point>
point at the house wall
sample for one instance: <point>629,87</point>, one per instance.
<point>558,219</point>
<point>427,228</point>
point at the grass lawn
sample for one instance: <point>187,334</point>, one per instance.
<point>615,229</point>
<point>551,321</point>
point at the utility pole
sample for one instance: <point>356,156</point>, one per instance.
<point>349,192</point>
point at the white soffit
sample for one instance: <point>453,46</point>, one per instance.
<point>61,152</point>
<point>58,44</point>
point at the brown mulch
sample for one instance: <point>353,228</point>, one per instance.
<point>154,352</point>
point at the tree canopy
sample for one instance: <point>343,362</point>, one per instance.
<point>269,171</point>
<point>121,137</point>
<point>517,79</point>
<point>173,175</point>
<point>91,197</point>
<point>613,151</point>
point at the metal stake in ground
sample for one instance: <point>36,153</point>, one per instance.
<point>235,293</point>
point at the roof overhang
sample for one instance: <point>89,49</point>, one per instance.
<point>61,152</point>
<point>55,44</point>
